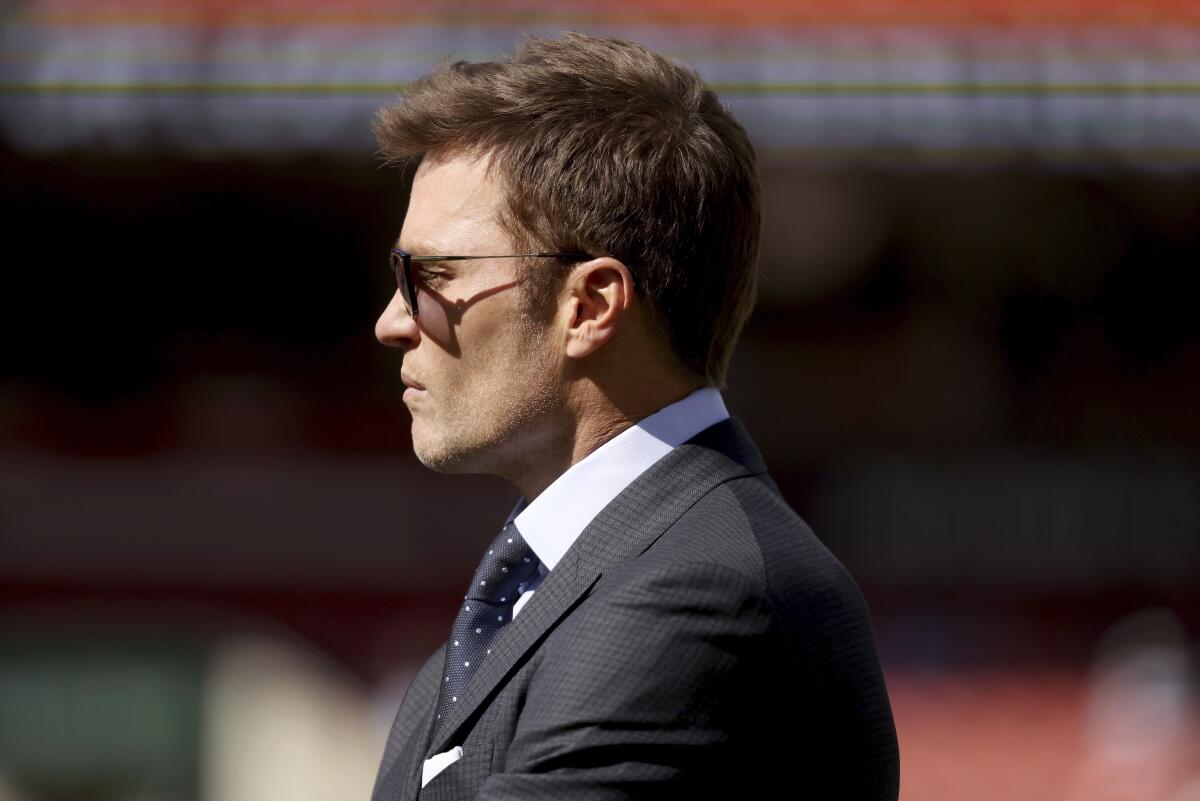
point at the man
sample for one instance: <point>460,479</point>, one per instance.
<point>652,621</point>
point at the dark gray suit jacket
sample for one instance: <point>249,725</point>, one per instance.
<point>696,641</point>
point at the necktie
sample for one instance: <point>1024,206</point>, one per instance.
<point>487,608</point>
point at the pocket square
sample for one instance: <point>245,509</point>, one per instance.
<point>439,762</point>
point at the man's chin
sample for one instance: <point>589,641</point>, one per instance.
<point>441,459</point>
<point>435,460</point>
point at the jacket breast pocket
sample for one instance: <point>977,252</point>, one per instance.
<point>462,778</point>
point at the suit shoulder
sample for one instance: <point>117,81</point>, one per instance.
<point>745,524</point>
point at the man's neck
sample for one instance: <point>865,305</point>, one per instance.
<point>596,420</point>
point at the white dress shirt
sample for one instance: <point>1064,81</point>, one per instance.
<point>563,510</point>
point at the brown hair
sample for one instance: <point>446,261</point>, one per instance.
<point>608,148</point>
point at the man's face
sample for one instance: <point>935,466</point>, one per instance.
<point>492,381</point>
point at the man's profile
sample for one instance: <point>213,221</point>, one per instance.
<point>577,261</point>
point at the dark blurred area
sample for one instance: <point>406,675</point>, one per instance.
<point>976,375</point>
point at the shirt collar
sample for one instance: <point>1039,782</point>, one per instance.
<point>556,517</point>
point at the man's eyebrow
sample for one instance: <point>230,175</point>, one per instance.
<point>423,249</point>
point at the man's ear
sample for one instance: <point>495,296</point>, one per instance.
<point>598,295</point>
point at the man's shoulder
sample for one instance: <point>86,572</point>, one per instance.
<point>711,513</point>
<point>746,523</point>
<point>744,533</point>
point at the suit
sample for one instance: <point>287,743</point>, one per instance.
<point>696,640</point>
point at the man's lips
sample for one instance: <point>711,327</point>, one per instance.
<point>412,389</point>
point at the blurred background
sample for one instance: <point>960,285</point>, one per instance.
<point>974,369</point>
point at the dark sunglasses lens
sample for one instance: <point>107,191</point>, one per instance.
<point>402,281</point>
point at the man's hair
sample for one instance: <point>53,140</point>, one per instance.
<point>607,148</point>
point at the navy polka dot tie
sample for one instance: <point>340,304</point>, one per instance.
<point>487,607</point>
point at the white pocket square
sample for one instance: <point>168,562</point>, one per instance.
<point>439,762</point>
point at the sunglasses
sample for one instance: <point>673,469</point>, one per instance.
<point>402,262</point>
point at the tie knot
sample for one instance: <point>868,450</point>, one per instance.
<point>508,563</point>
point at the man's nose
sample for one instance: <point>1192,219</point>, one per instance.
<point>395,327</point>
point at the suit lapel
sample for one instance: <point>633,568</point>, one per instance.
<point>624,528</point>
<point>553,598</point>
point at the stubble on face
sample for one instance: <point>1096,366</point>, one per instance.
<point>504,414</point>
